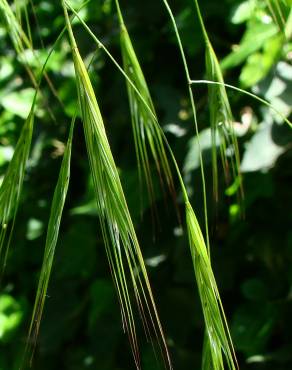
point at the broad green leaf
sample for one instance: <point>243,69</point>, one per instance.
<point>260,63</point>
<point>243,11</point>
<point>253,40</point>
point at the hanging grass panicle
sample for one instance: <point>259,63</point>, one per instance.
<point>122,247</point>
<point>11,186</point>
<point>221,122</point>
<point>221,119</point>
<point>219,350</point>
<point>58,202</point>
<point>217,333</point>
<point>146,134</point>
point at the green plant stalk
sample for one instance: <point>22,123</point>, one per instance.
<point>188,78</point>
<point>120,16</point>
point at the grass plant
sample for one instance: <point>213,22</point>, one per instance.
<point>127,264</point>
<point>146,134</point>
<point>122,246</point>
<point>217,329</point>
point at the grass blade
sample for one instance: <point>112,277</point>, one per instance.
<point>11,186</point>
<point>146,134</point>
<point>57,207</point>
<point>207,355</point>
<point>122,247</point>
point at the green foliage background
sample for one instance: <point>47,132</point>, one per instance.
<point>251,257</point>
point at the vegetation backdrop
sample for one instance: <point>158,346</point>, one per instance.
<point>251,250</point>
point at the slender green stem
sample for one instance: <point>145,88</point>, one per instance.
<point>121,19</point>
<point>68,25</point>
<point>205,33</point>
<point>254,96</point>
<point>187,73</point>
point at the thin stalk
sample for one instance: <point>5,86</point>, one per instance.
<point>254,96</point>
<point>187,73</point>
<point>121,19</point>
<point>205,33</point>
